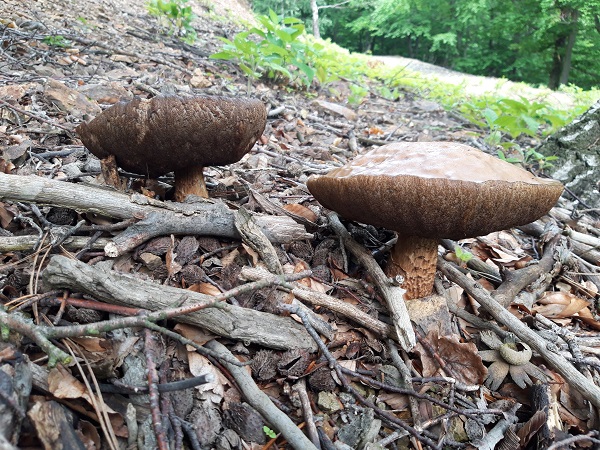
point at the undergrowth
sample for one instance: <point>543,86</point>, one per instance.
<point>175,16</point>
<point>279,49</point>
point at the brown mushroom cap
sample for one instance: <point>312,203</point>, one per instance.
<point>435,190</point>
<point>168,134</point>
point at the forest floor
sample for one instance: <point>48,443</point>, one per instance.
<point>351,385</point>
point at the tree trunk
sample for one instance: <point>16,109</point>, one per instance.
<point>315,18</point>
<point>556,69</point>
<point>563,49</point>
<point>566,63</point>
<point>578,147</point>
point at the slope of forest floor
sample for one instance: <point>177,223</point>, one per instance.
<point>62,63</point>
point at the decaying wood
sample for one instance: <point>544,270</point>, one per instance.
<point>22,243</point>
<point>256,239</point>
<point>394,295</point>
<point>577,146</point>
<point>208,217</point>
<point>234,322</point>
<point>517,280</point>
<point>554,359</point>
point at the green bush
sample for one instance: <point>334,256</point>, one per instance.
<point>278,50</point>
<point>176,16</point>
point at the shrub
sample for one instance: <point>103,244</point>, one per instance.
<point>176,16</point>
<point>279,49</point>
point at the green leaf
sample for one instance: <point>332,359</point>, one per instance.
<point>273,16</point>
<point>464,255</point>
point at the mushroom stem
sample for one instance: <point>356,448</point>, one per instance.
<point>414,258</point>
<point>190,181</point>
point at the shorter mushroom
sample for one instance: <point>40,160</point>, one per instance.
<point>174,134</point>
<point>431,190</point>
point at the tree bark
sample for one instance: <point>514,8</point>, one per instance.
<point>577,146</point>
<point>566,63</point>
<point>234,322</point>
<point>563,49</point>
<point>208,217</point>
<point>315,18</point>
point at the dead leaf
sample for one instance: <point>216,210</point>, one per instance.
<point>193,333</point>
<point>375,131</point>
<point>560,305</point>
<point>6,216</point>
<point>205,288</point>
<point>302,211</point>
<point>62,384</point>
<point>200,365</point>
<point>461,359</point>
<point>255,257</point>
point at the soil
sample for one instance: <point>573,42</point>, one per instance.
<point>62,63</point>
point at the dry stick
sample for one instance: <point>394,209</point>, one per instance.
<point>35,116</point>
<point>319,299</point>
<point>406,381</point>
<point>208,217</point>
<point>25,327</point>
<point>394,295</point>
<point>527,335</point>
<point>309,420</point>
<point>256,239</point>
<point>259,401</point>
<point>157,424</point>
<point>518,280</point>
<point>475,264</point>
<point>226,320</point>
<point>586,252</point>
<point>21,243</point>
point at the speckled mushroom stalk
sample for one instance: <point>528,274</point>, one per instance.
<point>427,191</point>
<point>175,134</point>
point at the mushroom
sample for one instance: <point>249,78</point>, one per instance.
<point>426,191</point>
<point>174,134</point>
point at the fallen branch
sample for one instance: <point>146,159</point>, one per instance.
<point>259,400</point>
<point>393,295</point>
<point>207,217</point>
<point>517,280</point>
<point>319,299</point>
<point>21,243</point>
<point>230,321</point>
<point>589,390</point>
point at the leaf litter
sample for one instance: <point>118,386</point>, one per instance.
<point>118,55</point>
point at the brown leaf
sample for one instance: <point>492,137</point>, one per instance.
<point>530,429</point>
<point>461,359</point>
<point>205,288</point>
<point>6,216</point>
<point>300,210</point>
<point>559,305</point>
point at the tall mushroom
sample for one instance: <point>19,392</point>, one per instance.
<point>174,134</point>
<point>431,190</point>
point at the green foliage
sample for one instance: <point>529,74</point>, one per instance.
<point>279,50</point>
<point>270,433</point>
<point>464,255</point>
<point>516,117</point>
<point>57,41</point>
<point>176,16</point>
<point>519,40</point>
<point>357,94</point>
<point>528,157</point>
